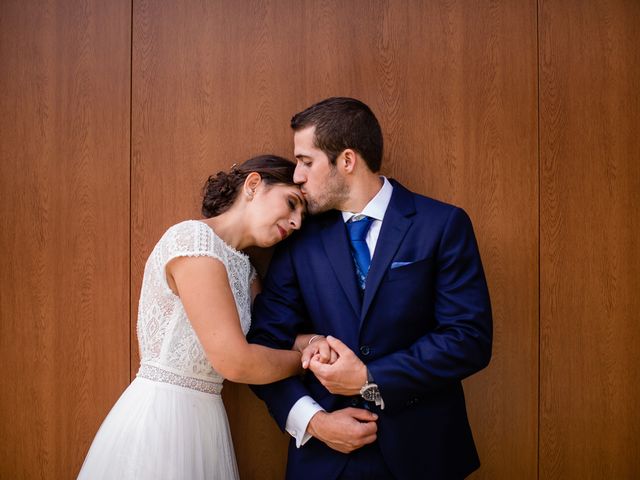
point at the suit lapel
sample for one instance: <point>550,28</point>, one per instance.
<point>336,246</point>
<point>396,223</point>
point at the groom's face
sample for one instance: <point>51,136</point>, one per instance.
<point>322,184</point>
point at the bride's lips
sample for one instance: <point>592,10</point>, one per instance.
<point>283,232</point>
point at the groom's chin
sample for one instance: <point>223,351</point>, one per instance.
<point>314,209</point>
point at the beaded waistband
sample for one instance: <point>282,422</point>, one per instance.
<point>157,374</point>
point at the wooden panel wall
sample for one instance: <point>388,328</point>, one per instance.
<point>64,235</point>
<point>455,90</point>
<point>590,226</point>
<point>114,113</point>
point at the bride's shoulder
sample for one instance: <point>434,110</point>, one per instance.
<point>186,235</point>
<point>187,227</point>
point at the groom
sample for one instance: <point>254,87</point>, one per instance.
<point>397,278</point>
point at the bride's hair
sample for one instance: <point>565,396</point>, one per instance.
<point>220,190</point>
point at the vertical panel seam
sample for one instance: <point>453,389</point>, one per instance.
<point>130,176</point>
<point>538,118</point>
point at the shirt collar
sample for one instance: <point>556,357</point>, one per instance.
<point>377,206</point>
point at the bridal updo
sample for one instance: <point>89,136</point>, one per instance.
<point>222,189</point>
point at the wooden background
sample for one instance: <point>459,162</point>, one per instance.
<point>525,113</point>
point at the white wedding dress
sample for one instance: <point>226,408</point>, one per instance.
<point>170,422</point>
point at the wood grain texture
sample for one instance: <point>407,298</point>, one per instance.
<point>454,86</point>
<point>590,260</point>
<point>64,271</point>
<point>214,82</point>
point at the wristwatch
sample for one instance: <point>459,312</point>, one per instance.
<point>370,392</point>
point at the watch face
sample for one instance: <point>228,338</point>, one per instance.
<point>370,393</point>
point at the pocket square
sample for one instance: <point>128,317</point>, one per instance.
<point>399,264</point>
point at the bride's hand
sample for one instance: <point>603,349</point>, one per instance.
<point>303,340</point>
<point>317,348</point>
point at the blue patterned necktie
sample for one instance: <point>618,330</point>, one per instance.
<point>357,228</point>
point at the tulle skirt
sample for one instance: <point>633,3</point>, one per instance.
<point>161,431</point>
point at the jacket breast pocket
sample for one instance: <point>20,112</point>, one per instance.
<point>400,270</point>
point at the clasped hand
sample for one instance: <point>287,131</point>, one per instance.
<point>335,366</point>
<point>342,373</point>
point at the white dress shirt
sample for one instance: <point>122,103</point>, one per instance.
<point>306,407</point>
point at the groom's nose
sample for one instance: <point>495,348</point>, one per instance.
<point>298,176</point>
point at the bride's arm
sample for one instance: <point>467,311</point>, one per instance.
<point>202,285</point>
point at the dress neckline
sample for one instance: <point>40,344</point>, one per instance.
<point>233,250</point>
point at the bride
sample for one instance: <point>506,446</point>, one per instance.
<point>193,315</point>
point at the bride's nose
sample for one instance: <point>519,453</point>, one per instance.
<point>295,221</point>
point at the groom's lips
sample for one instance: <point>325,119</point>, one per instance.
<point>283,232</point>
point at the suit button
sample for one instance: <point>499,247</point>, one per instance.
<point>365,350</point>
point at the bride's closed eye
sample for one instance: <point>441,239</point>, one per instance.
<point>294,202</point>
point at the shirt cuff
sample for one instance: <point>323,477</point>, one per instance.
<point>299,417</point>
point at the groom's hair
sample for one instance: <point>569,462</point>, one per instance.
<point>342,123</point>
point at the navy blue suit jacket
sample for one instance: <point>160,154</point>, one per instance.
<point>422,325</point>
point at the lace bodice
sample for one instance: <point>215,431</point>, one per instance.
<point>169,348</point>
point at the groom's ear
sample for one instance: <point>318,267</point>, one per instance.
<point>348,159</point>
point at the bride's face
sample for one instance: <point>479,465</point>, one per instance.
<point>275,212</point>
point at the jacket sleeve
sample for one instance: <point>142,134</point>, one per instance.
<point>278,316</point>
<point>460,343</point>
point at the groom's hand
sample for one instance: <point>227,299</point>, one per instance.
<point>344,430</point>
<point>346,375</point>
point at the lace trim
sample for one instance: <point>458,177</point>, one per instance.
<point>210,229</point>
<point>160,375</point>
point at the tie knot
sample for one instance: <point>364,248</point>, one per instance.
<point>358,227</point>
